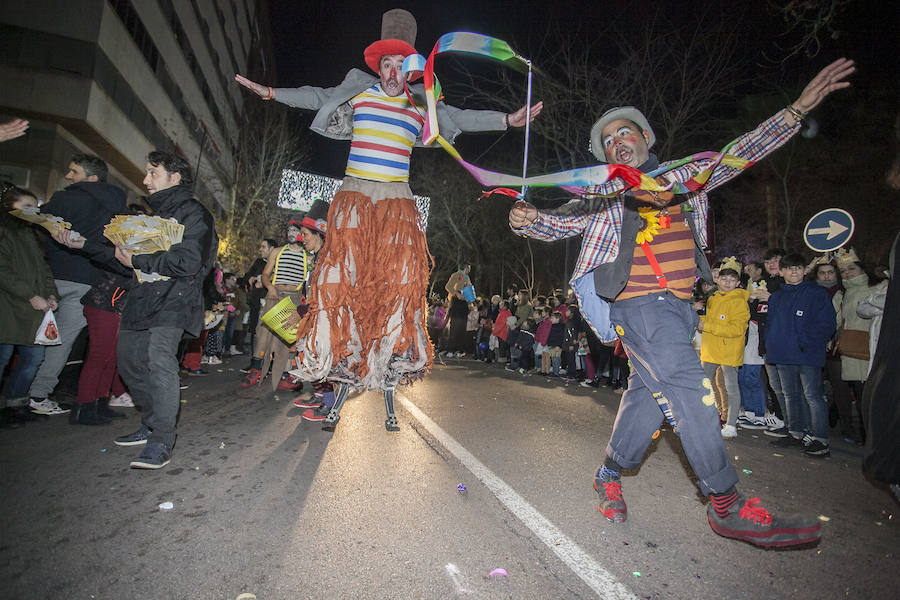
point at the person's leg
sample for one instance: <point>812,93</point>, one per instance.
<point>656,331</point>
<point>133,357</point>
<point>555,360</point>
<point>797,413</point>
<point>775,384</point>
<point>229,333</point>
<point>817,407</point>
<point>162,348</point>
<point>751,389</point>
<point>100,363</point>
<point>734,393</point>
<point>21,376</point>
<point>70,321</point>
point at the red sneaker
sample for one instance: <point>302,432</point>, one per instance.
<point>289,383</point>
<point>252,378</point>
<point>312,414</point>
<point>750,522</point>
<point>612,505</point>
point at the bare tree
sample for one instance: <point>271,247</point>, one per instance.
<point>270,140</point>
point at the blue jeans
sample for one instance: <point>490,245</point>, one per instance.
<point>752,394</point>
<point>806,405</point>
<point>775,384</point>
<point>20,376</point>
<point>667,379</point>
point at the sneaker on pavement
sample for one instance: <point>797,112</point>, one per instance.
<point>315,414</point>
<point>612,505</point>
<point>750,522</point>
<point>123,401</point>
<point>215,360</point>
<point>252,378</point>
<point>301,402</point>
<point>289,383</point>
<point>817,448</point>
<point>729,432</point>
<point>134,438</point>
<point>45,406</point>
<point>779,432</point>
<point>748,420</point>
<point>155,456</point>
<point>772,421</point>
<point>788,441</point>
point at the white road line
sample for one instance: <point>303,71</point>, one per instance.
<point>580,562</point>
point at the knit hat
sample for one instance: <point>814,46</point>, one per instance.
<point>316,217</point>
<point>628,113</point>
<point>398,36</point>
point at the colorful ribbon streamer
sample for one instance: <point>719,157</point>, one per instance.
<point>577,181</point>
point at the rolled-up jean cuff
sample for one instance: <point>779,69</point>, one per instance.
<point>719,482</point>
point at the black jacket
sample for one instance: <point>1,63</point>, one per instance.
<point>557,335</point>
<point>178,301</point>
<point>88,206</point>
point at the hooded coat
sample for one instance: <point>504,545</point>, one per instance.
<point>724,328</point>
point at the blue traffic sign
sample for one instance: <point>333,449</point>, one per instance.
<point>828,230</point>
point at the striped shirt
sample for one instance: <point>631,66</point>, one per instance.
<point>291,267</point>
<point>674,251</point>
<point>384,131</point>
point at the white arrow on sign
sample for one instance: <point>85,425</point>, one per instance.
<point>833,230</point>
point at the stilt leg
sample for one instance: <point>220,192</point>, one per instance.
<point>391,422</point>
<point>341,392</point>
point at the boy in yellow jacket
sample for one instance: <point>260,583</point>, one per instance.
<point>722,343</point>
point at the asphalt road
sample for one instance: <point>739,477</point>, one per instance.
<point>270,505</point>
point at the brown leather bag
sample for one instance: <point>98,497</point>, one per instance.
<point>853,343</point>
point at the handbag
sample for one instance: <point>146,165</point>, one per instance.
<point>853,343</point>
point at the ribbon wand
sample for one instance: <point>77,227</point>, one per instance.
<point>527,130</point>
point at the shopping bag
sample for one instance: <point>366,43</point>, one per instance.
<point>47,334</point>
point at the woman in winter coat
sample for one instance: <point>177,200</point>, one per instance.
<point>27,292</point>
<point>854,371</point>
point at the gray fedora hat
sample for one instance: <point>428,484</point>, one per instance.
<point>629,113</point>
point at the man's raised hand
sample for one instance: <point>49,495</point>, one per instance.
<point>260,90</point>
<point>517,119</point>
<point>829,79</point>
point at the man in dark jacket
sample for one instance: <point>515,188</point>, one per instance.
<point>800,323</point>
<point>88,203</point>
<point>159,313</point>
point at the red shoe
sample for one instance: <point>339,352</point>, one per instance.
<point>289,383</point>
<point>312,414</point>
<point>301,402</point>
<point>253,377</point>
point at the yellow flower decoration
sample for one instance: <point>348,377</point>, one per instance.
<point>619,330</point>
<point>651,216</point>
<point>708,399</point>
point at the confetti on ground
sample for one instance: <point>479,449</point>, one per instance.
<point>636,573</point>
<point>102,449</point>
<point>183,401</point>
<point>824,518</point>
<point>221,444</point>
<point>542,428</point>
<point>498,573</point>
<point>461,488</point>
<point>166,506</point>
<point>737,457</point>
<point>246,596</point>
<point>778,455</point>
<point>748,472</point>
<point>462,405</point>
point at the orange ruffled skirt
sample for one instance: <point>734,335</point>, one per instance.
<point>366,322</point>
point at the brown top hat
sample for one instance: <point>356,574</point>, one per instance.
<point>398,36</point>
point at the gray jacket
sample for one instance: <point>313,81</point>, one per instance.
<point>334,117</point>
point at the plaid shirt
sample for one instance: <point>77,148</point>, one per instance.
<point>600,219</point>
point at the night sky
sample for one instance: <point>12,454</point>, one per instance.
<point>316,43</point>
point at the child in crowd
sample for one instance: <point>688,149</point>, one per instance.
<point>570,344</point>
<point>437,323</point>
<point>525,344</point>
<point>581,356</point>
<point>500,331</point>
<point>555,338</point>
<point>541,331</point>
<point>722,345</point>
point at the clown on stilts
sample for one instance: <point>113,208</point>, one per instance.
<point>365,328</point>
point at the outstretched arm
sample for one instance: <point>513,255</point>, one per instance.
<point>829,79</point>
<point>12,129</point>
